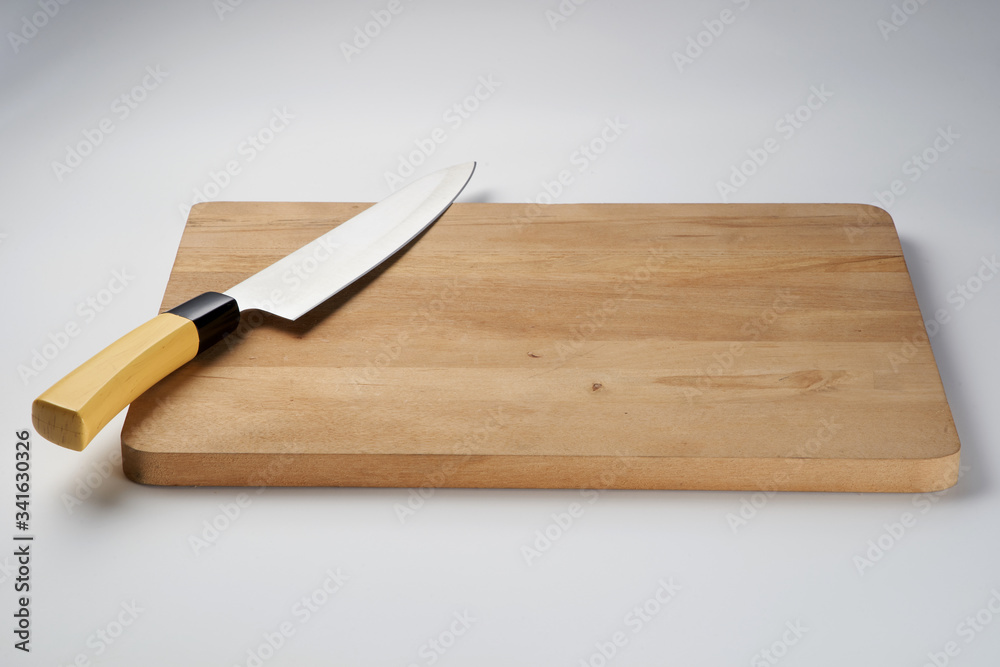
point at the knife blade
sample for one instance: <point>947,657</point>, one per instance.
<point>73,410</point>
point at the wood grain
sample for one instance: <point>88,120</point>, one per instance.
<point>600,346</point>
<point>73,410</point>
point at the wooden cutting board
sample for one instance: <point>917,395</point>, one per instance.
<point>750,347</point>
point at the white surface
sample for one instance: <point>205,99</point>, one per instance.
<point>123,208</point>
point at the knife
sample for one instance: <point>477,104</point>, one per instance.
<point>77,407</point>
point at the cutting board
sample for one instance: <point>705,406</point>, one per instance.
<point>748,347</point>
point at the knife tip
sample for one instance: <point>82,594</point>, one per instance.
<point>466,169</point>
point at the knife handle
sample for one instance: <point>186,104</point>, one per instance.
<point>73,410</point>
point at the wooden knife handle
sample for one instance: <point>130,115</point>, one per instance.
<point>73,410</point>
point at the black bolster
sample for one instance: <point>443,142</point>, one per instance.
<point>214,314</point>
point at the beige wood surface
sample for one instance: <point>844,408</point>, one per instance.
<point>681,346</point>
<point>73,410</point>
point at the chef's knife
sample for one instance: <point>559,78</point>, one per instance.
<point>76,408</point>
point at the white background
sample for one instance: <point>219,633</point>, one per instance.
<point>122,209</point>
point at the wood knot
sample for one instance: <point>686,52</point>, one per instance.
<point>596,386</point>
